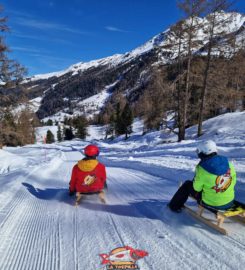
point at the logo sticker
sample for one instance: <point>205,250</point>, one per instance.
<point>123,258</point>
<point>89,180</point>
<point>223,182</point>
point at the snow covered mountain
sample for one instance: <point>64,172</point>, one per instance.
<point>86,87</point>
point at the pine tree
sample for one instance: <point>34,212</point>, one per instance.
<point>127,120</point>
<point>63,131</point>
<point>80,123</point>
<point>59,134</point>
<point>123,120</point>
<point>68,134</point>
<point>50,137</point>
<point>118,121</point>
<point>49,122</point>
<point>81,132</point>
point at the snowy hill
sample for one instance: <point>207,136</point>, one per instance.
<point>41,229</point>
<point>92,84</point>
<point>232,23</point>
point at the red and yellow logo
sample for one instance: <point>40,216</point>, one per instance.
<point>123,258</point>
<point>89,180</point>
<point>223,182</point>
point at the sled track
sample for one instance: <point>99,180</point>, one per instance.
<point>7,210</point>
<point>29,240</point>
<point>75,240</point>
<point>167,224</point>
<point>207,249</point>
<point>39,233</point>
<point>163,239</point>
<point>116,230</point>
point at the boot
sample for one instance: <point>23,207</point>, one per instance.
<point>78,198</point>
<point>102,196</point>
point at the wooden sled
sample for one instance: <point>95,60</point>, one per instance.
<point>80,195</point>
<point>236,212</point>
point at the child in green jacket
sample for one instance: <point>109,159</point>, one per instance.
<point>213,184</point>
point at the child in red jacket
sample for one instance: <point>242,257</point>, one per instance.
<point>88,175</point>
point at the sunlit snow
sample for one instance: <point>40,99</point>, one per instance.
<point>41,229</point>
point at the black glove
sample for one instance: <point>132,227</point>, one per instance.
<point>71,193</point>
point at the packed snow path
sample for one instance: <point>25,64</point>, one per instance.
<point>41,229</point>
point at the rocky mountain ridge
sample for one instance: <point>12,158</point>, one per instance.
<point>70,92</point>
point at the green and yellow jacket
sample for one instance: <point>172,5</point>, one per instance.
<point>215,177</point>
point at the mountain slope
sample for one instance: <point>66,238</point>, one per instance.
<point>129,73</point>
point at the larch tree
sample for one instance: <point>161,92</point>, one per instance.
<point>214,30</point>
<point>11,74</point>
<point>183,42</point>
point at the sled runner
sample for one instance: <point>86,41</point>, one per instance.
<point>80,195</point>
<point>236,212</point>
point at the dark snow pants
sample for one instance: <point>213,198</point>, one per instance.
<point>182,194</point>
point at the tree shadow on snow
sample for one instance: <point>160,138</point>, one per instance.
<point>58,194</point>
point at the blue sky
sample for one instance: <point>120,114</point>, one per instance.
<point>50,35</point>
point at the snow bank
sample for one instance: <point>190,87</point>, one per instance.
<point>37,215</point>
<point>9,162</point>
<point>228,128</point>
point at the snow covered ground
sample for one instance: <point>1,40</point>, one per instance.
<point>41,229</point>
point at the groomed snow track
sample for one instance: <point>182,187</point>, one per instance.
<point>41,229</point>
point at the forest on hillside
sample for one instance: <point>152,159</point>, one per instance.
<point>191,86</point>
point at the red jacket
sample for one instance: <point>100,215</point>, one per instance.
<point>88,176</point>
